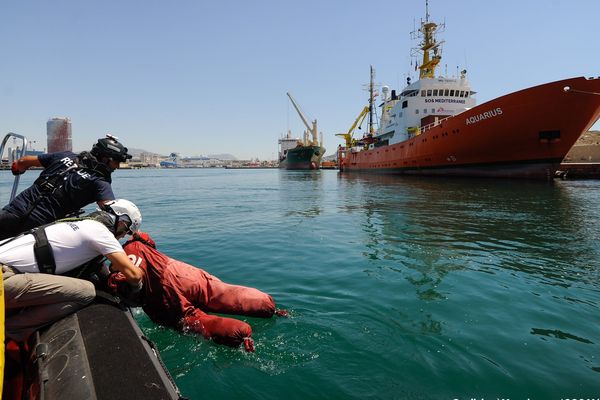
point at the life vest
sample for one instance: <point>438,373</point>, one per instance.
<point>44,255</point>
<point>54,184</point>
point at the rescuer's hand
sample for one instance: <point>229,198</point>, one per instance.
<point>14,168</point>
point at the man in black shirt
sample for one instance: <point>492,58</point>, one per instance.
<point>68,182</point>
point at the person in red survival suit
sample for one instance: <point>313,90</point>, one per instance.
<point>179,295</point>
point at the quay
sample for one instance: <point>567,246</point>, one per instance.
<point>578,171</point>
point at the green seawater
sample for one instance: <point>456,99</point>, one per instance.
<point>397,287</point>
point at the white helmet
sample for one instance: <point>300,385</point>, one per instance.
<point>125,207</point>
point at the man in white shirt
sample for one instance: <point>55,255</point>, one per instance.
<point>35,299</point>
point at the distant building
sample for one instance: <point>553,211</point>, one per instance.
<point>149,159</point>
<point>59,134</point>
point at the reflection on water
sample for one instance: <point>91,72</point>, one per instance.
<point>471,242</point>
<point>301,192</point>
<point>434,226</point>
<point>300,175</point>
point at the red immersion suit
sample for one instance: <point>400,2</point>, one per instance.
<point>179,295</point>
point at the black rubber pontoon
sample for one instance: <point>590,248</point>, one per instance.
<point>98,353</point>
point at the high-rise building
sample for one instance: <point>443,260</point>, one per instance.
<point>59,134</point>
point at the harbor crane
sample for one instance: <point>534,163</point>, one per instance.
<point>312,129</point>
<point>350,142</point>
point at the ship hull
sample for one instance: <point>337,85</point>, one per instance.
<point>525,134</point>
<point>303,157</point>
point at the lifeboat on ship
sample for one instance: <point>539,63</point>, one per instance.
<point>434,127</point>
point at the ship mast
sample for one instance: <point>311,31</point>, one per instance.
<point>429,44</point>
<point>371,90</point>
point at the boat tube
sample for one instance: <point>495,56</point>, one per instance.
<point>98,352</point>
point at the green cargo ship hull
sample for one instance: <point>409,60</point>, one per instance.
<point>303,157</point>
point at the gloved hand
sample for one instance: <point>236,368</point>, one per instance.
<point>114,280</point>
<point>228,331</point>
<point>14,168</point>
<point>118,285</point>
<point>249,344</point>
<point>282,313</point>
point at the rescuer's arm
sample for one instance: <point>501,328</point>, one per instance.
<point>101,203</point>
<point>121,263</point>
<point>24,163</point>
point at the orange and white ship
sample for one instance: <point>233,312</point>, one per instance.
<point>434,127</point>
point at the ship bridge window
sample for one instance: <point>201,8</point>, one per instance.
<point>428,92</point>
<point>405,104</point>
<point>452,93</point>
<point>435,92</point>
<point>462,93</point>
<point>446,92</point>
<point>422,93</point>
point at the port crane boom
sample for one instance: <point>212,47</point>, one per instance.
<point>312,129</point>
<point>350,142</point>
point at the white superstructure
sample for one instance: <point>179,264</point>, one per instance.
<point>424,103</point>
<point>421,104</point>
<point>286,143</point>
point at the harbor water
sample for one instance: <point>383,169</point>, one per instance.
<point>397,287</point>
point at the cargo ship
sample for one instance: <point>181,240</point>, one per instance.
<point>298,154</point>
<point>434,127</point>
<point>305,153</point>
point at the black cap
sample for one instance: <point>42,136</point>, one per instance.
<point>111,148</point>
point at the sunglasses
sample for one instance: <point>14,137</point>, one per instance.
<point>124,225</point>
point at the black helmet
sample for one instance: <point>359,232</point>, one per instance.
<point>111,148</point>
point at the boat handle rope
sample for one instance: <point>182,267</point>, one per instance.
<point>568,89</point>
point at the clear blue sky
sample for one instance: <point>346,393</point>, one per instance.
<point>200,77</point>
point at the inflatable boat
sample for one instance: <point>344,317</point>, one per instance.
<point>98,352</point>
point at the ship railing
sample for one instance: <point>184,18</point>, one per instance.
<point>434,124</point>
<point>13,155</point>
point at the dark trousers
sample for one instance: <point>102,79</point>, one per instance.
<point>10,225</point>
